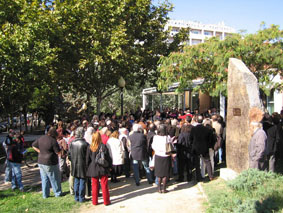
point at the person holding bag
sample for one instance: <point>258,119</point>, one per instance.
<point>162,164</point>
<point>97,170</point>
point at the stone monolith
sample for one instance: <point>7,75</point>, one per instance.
<point>243,94</point>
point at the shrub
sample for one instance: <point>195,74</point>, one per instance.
<point>252,191</point>
<point>251,180</point>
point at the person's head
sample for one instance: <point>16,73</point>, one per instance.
<point>11,132</point>
<point>124,131</point>
<point>95,142</point>
<point>214,117</point>
<point>137,127</point>
<point>79,132</point>
<point>186,128</point>
<point>162,130</point>
<point>275,118</point>
<point>52,132</point>
<point>90,130</point>
<point>60,124</point>
<point>199,119</point>
<point>103,130</point>
<point>207,122</point>
<point>189,119</point>
<point>115,134</point>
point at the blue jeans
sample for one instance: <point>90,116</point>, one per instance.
<point>8,172</point>
<point>79,189</point>
<point>220,154</point>
<point>137,173</point>
<point>16,175</point>
<point>50,174</point>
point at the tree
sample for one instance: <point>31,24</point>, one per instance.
<point>261,52</point>
<point>26,54</point>
<point>104,40</point>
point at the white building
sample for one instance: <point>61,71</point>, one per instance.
<point>199,32</point>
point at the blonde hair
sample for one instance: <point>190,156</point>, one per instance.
<point>115,134</point>
<point>95,142</point>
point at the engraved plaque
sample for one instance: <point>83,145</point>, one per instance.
<point>236,112</point>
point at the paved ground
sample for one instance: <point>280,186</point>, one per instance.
<point>125,196</point>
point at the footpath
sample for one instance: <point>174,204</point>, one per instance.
<point>125,196</point>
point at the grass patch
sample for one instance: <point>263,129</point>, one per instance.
<point>252,191</point>
<point>32,201</point>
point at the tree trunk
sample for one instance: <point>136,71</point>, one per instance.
<point>98,105</point>
<point>26,121</point>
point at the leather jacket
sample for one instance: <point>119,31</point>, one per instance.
<point>77,155</point>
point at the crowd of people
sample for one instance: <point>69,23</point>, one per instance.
<point>158,145</point>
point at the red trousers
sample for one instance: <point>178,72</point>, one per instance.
<point>104,187</point>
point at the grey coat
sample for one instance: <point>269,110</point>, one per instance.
<point>257,149</point>
<point>138,146</point>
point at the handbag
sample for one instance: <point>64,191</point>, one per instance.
<point>151,163</point>
<point>169,149</point>
<point>100,158</point>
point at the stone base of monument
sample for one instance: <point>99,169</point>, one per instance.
<point>228,174</point>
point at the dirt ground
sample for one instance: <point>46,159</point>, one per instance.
<point>125,196</point>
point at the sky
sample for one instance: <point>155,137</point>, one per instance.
<point>239,14</point>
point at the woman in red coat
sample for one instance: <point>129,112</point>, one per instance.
<point>96,171</point>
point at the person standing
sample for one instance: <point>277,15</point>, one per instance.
<point>116,149</point>
<point>257,147</point>
<point>162,164</point>
<point>201,138</point>
<point>96,171</point>
<point>77,151</point>
<point>7,145</point>
<point>48,150</point>
<point>184,153</point>
<point>15,158</point>
<point>139,153</point>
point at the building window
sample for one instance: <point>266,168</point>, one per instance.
<point>270,102</point>
<point>175,29</point>
<point>208,33</point>
<point>196,31</point>
<point>219,35</point>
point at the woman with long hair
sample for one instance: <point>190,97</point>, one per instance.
<point>116,149</point>
<point>96,171</point>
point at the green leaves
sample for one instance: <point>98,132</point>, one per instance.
<point>261,52</point>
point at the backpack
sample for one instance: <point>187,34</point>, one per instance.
<point>100,158</point>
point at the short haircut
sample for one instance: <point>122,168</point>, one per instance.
<point>137,127</point>
<point>199,119</point>
<point>162,130</point>
<point>79,132</point>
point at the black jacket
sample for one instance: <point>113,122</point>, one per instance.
<point>272,140</point>
<point>201,138</point>
<point>149,138</point>
<point>78,151</point>
<point>184,146</point>
<point>138,146</point>
<point>95,170</point>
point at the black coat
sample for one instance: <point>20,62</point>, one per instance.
<point>184,146</point>
<point>149,138</point>
<point>272,140</point>
<point>95,170</point>
<point>201,138</point>
<point>77,153</point>
<point>138,146</point>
